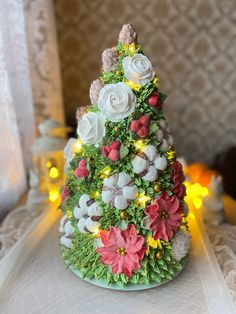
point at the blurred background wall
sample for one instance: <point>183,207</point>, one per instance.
<point>192,47</point>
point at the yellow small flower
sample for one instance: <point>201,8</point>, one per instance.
<point>132,85</point>
<point>156,81</point>
<point>152,243</point>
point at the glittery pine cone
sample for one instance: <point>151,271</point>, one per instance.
<point>80,112</point>
<point>94,91</point>
<point>127,35</point>
<point>109,60</point>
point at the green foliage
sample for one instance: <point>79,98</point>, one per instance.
<point>83,255</point>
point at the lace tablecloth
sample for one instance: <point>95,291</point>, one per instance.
<point>44,286</point>
<point>223,239</point>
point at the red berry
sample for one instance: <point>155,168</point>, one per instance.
<point>105,150</point>
<point>154,99</point>
<point>82,163</point>
<point>81,172</point>
<point>115,145</point>
<point>143,132</point>
<point>114,155</point>
<point>135,125</point>
<point>145,120</point>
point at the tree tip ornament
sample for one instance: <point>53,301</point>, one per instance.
<point>123,200</point>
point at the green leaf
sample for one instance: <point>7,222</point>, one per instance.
<point>123,151</point>
<point>153,128</point>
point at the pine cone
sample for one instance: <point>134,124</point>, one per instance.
<point>80,112</point>
<point>109,60</point>
<point>94,91</point>
<point>128,34</point>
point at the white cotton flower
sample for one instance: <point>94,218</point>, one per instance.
<point>119,190</point>
<point>116,101</point>
<point>164,136</point>
<point>91,128</point>
<point>138,69</point>
<point>160,162</point>
<point>180,244</point>
<point>147,163</point>
<point>66,230</point>
<point>88,213</point>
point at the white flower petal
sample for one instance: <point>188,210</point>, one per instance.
<point>69,229</point>
<point>83,202</point>
<point>116,101</point>
<point>95,210</point>
<point>160,162</point>
<point>68,150</point>
<point>138,69</point>
<point>139,164</point>
<point>81,224</point>
<point>151,175</point>
<point>62,223</point>
<point>130,192</point>
<point>78,212</point>
<point>165,145</point>
<point>120,202</point>
<point>108,196</point>
<point>91,128</point>
<point>92,225</point>
<point>67,242</point>
<point>123,179</point>
<point>150,151</point>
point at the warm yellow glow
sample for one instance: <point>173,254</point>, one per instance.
<point>143,199</point>
<point>105,172</point>
<point>132,48</point>
<point>53,195</point>
<point>96,232</point>
<point>49,164</point>
<point>53,173</point>
<point>133,85</point>
<point>191,216</point>
<point>195,193</point>
<point>150,242</point>
<point>69,214</point>
<point>77,147</point>
<point>95,194</point>
<point>156,81</point>
<point>139,144</point>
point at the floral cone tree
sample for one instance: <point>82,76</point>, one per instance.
<point>124,214</point>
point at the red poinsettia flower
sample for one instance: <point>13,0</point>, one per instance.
<point>123,249</point>
<point>178,178</point>
<point>165,216</point>
<point>64,193</point>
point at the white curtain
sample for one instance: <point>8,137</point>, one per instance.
<point>30,89</point>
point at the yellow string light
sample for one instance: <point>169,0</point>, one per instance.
<point>133,85</point>
<point>96,232</point>
<point>95,194</point>
<point>53,195</point>
<point>49,164</point>
<point>142,199</point>
<point>53,173</point>
<point>195,193</point>
<point>139,144</point>
<point>105,172</point>
<point>77,147</point>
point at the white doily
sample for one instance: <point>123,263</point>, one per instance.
<point>223,239</point>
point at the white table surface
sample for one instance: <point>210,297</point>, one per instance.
<point>44,286</point>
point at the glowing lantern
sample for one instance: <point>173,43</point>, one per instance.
<point>48,157</point>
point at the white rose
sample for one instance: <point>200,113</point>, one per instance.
<point>116,101</point>
<point>138,69</point>
<point>91,128</point>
